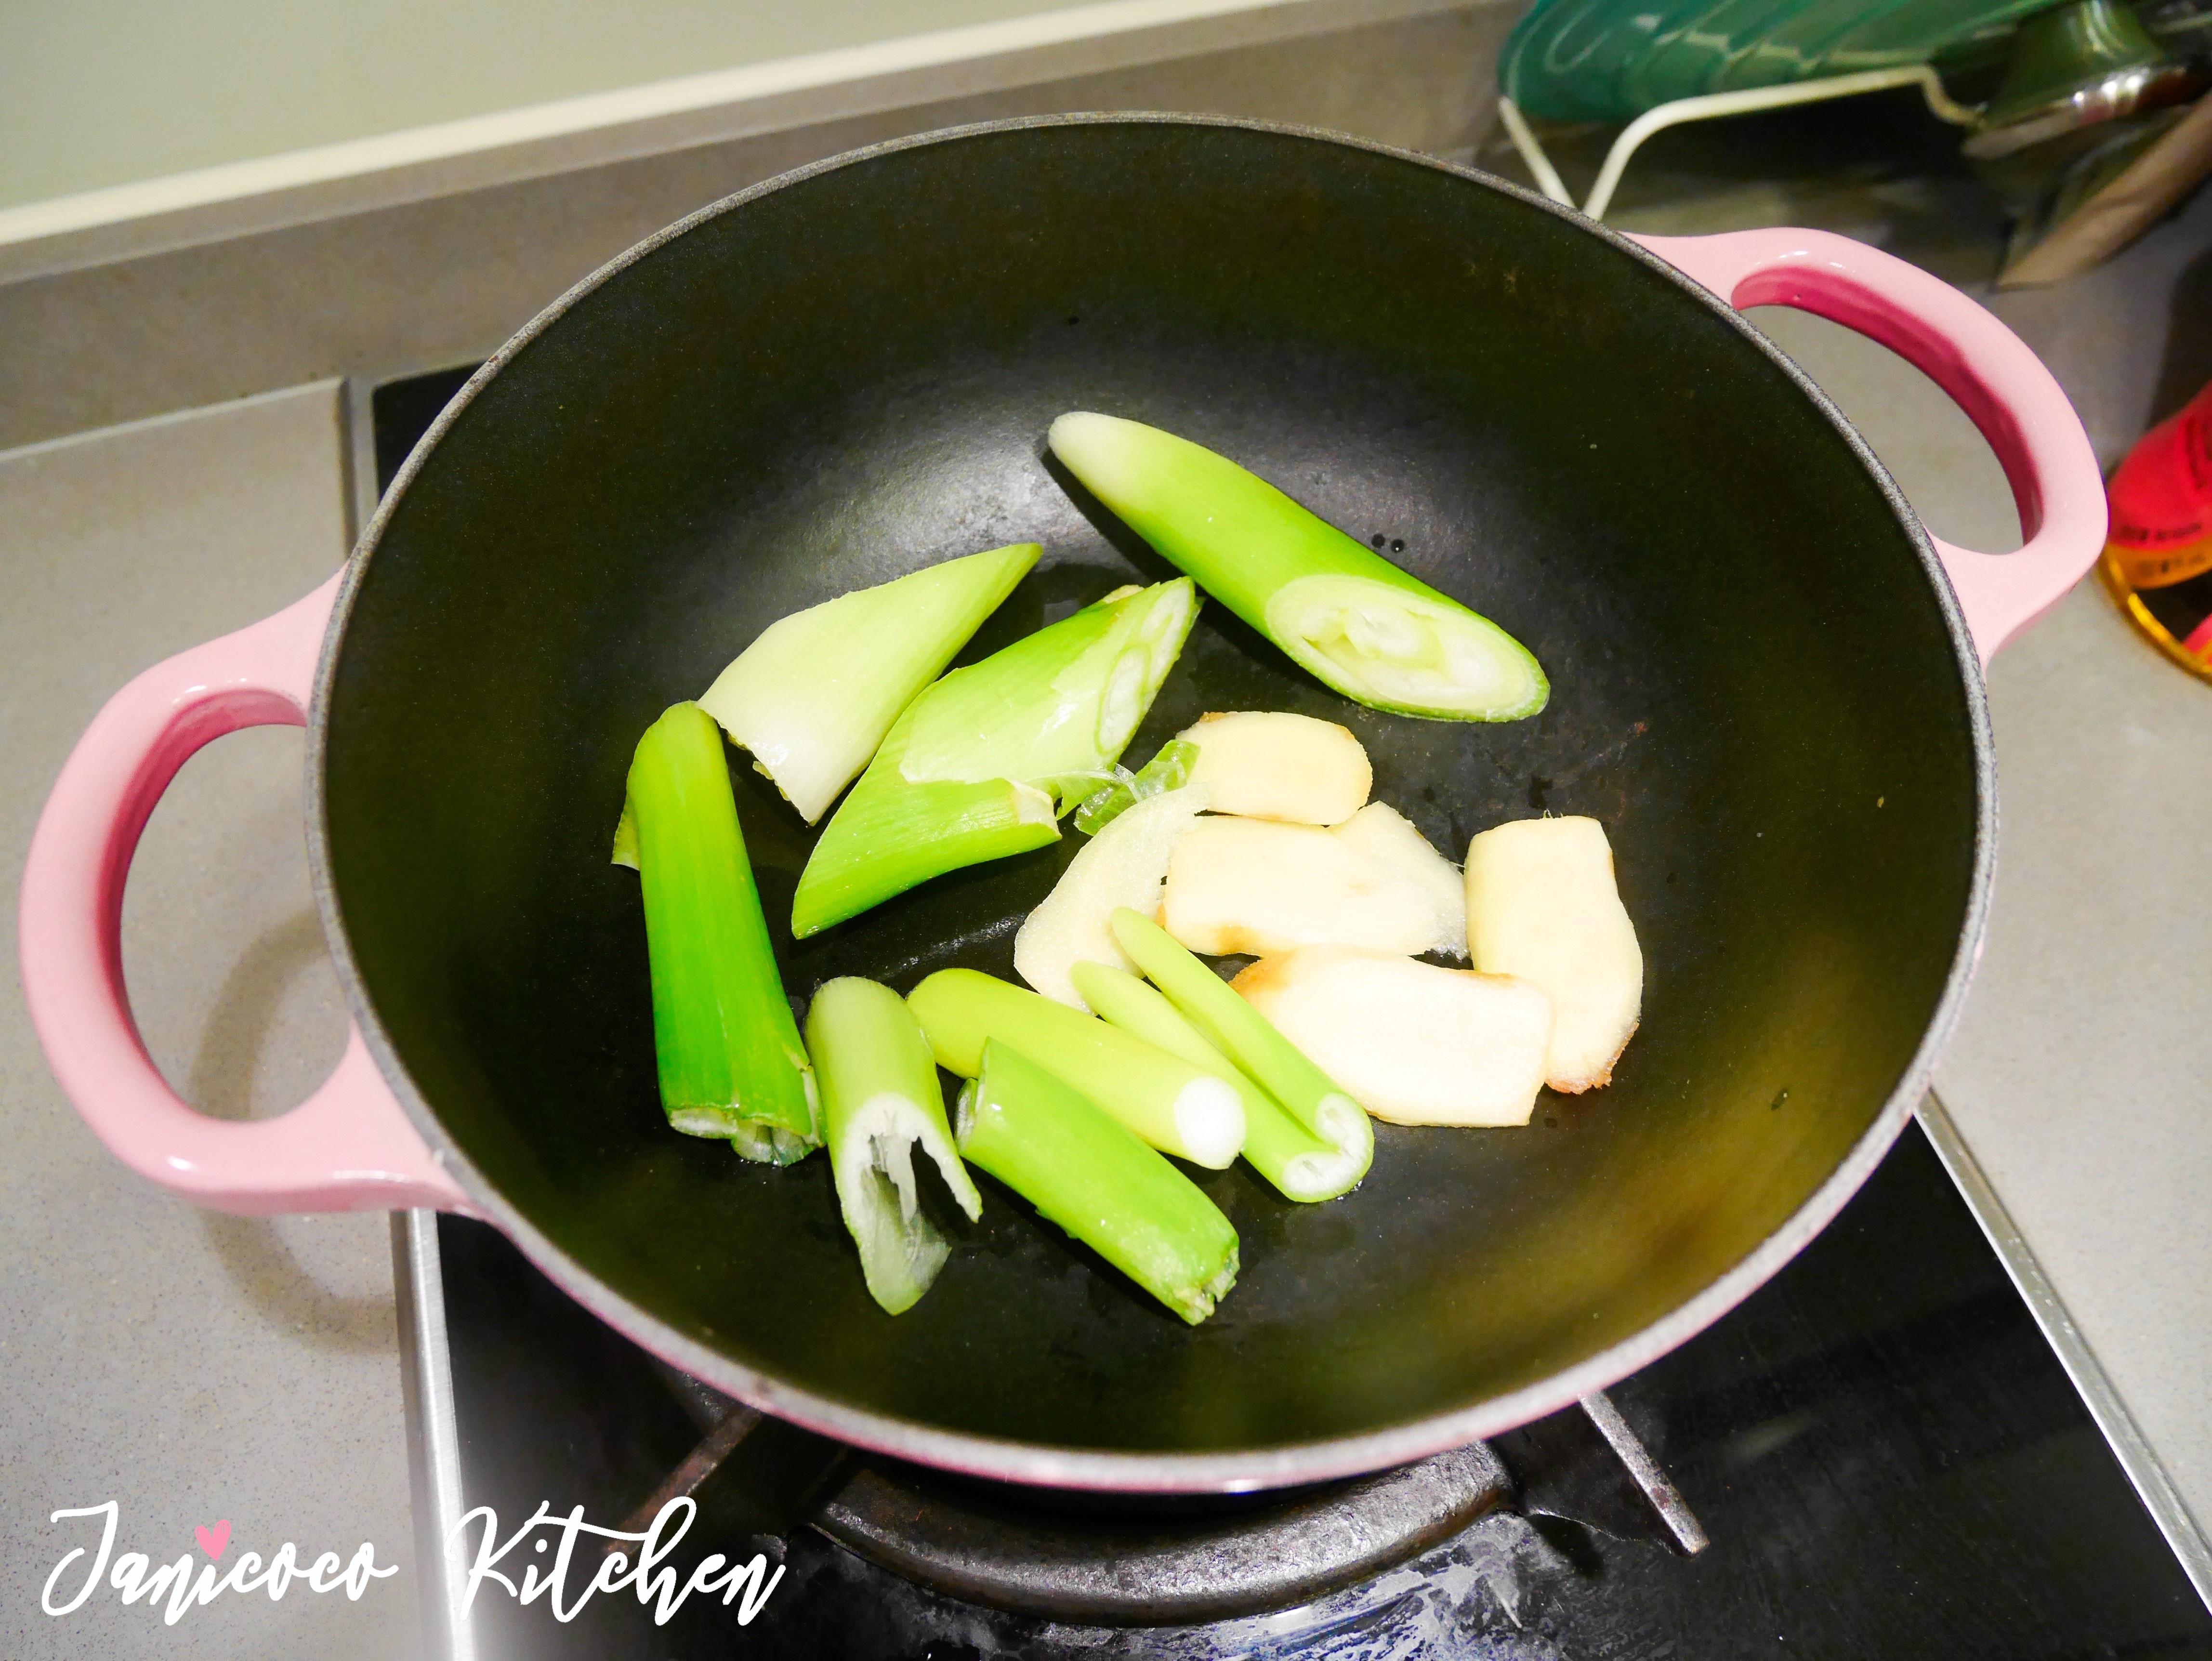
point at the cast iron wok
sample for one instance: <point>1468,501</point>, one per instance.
<point>1762,686</point>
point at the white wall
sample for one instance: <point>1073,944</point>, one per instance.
<point>99,93</point>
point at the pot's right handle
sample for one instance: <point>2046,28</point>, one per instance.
<point>2001,384</point>
<point>349,1146</point>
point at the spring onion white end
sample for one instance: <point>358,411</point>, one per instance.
<point>1300,1164</point>
<point>1175,1106</point>
<point>1242,1033</point>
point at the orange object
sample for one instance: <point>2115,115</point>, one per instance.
<point>2158,553</point>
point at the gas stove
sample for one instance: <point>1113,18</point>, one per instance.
<point>1877,1454</point>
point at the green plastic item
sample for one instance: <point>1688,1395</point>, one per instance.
<point>1611,60</point>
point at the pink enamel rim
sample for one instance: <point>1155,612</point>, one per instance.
<point>351,1146</point>
<point>347,1148</point>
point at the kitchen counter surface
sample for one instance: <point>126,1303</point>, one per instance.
<point>194,1367</point>
<point>190,1367</point>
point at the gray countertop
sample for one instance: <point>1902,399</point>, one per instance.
<point>2076,1075</point>
<point>194,1367</point>
<point>190,1367</point>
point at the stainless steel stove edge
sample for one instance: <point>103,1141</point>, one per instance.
<point>2183,1533</point>
<point>434,1445</point>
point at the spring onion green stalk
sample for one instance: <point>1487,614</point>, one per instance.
<point>1178,1108</point>
<point>1168,770</point>
<point>1343,612</point>
<point>881,842</point>
<point>626,836</point>
<point>1300,1164</point>
<point>880,1102</point>
<point>983,762</point>
<point>813,695</point>
<point>731,1061</point>
<point>1082,1170</point>
<point>1245,1035</point>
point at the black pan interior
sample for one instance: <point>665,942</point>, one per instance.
<point>851,375</point>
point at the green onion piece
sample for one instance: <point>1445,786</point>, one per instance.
<point>1168,770</point>
<point>1343,612</point>
<point>1247,1037</point>
<point>1301,1166</point>
<point>625,850</point>
<point>1178,1108</point>
<point>1099,810</point>
<point>1081,790</point>
<point>880,1100</point>
<point>1081,1169</point>
<point>1019,728</point>
<point>1066,699</point>
<point>731,1061</point>
<point>812,696</point>
<point>881,842</point>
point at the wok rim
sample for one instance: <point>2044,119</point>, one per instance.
<point>1006,1459</point>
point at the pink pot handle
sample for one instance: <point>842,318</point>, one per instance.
<point>2001,384</point>
<point>347,1148</point>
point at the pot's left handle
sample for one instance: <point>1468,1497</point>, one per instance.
<point>1988,370</point>
<point>347,1148</point>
